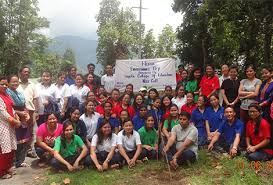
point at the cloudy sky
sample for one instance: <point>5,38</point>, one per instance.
<point>77,17</point>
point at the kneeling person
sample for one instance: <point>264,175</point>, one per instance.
<point>227,137</point>
<point>66,150</point>
<point>182,146</point>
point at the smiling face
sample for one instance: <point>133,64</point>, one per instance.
<point>61,79</point>
<point>142,111</point>
<point>214,101</point>
<point>14,83</point>
<point>75,115</point>
<point>189,98</point>
<point>209,71</point>
<point>90,107</point>
<point>253,113</point>
<point>24,74</point>
<point>250,73</point>
<point>174,111</point>
<point>168,91</point>
<point>150,122</point>
<point>152,95</point>
<point>224,70</point>
<point>106,129</point>
<point>51,121</point>
<point>68,132</point>
<point>115,95</point>
<point>200,102</point>
<point>139,100</point>
<point>157,103</point>
<point>79,81</point>
<point>107,107</point>
<point>126,99</point>
<point>197,74</point>
<point>181,91</point>
<point>233,73</point>
<point>230,114</point>
<point>266,74</point>
<point>46,78</point>
<point>128,127</point>
<point>166,101</point>
<point>129,89</point>
<point>3,85</point>
<point>90,78</point>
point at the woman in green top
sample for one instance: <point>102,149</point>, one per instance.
<point>66,150</point>
<point>170,122</point>
<point>193,83</point>
<point>149,139</point>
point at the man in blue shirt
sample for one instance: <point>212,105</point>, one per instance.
<point>139,119</point>
<point>228,135</point>
<point>70,79</point>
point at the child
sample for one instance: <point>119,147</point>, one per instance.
<point>66,150</point>
<point>139,120</point>
<point>149,138</point>
<point>171,121</point>
<point>129,143</point>
<point>102,151</point>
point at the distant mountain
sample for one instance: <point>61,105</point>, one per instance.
<point>85,50</point>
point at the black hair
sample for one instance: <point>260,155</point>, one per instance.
<point>125,121</point>
<point>11,76</point>
<point>204,98</point>
<point>168,86</point>
<point>185,114</point>
<point>146,118</point>
<point>46,71</point>
<point>107,102</point>
<point>115,89</point>
<point>120,121</point>
<point>86,103</point>
<point>91,64</point>
<point>268,67</point>
<point>3,78</point>
<point>191,77</point>
<point>177,88</point>
<point>250,66</point>
<point>125,95</point>
<point>233,67</point>
<point>154,90</point>
<point>259,119</point>
<point>50,113</point>
<point>61,73</point>
<point>63,139</point>
<point>100,134</point>
<point>169,119</point>
<point>135,104</point>
<point>210,65</point>
<point>22,68</point>
<point>215,95</point>
<point>164,108</point>
<point>73,109</point>
<point>180,65</point>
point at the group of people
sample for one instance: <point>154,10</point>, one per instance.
<point>85,121</point>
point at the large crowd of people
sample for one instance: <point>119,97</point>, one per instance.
<point>84,121</point>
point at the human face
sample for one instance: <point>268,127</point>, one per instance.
<point>107,107</point>
<point>233,74</point>
<point>79,81</point>
<point>90,107</point>
<point>90,78</point>
<point>129,89</point>
<point>250,73</point>
<point>24,75</point>
<point>14,83</point>
<point>253,113</point>
<point>180,70</point>
<point>51,121</point>
<point>224,70</point>
<point>106,129</point>
<point>3,85</point>
<point>168,91</point>
<point>139,100</point>
<point>190,67</point>
<point>181,92</point>
<point>197,74</point>
<point>126,99</point>
<point>68,132</point>
<point>109,69</point>
<point>142,112</point>
<point>174,111</point>
<point>266,74</point>
<point>103,98</point>
<point>230,114</point>
<point>128,127</point>
<point>189,98</point>
<point>184,74</point>
<point>124,115</point>
<point>91,69</point>
<point>152,95</point>
<point>184,122</point>
<point>46,78</point>
<point>91,96</point>
<point>166,101</point>
<point>209,71</point>
<point>61,79</point>
<point>214,101</point>
<point>75,115</point>
<point>115,95</point>
<point>200,102</point>
<point>157,103</point>
<point>73,71</point>
<point>101,90</point>
<point>150,122</point>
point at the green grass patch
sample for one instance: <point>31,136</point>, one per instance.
<point>207,170</point>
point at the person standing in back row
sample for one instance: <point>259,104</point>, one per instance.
<point>109,79</point>
<point>97,81</point>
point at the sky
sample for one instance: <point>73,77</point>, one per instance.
<point>77,17</point>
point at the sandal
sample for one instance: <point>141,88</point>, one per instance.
<point>7,176</point>
<point>24,165</point>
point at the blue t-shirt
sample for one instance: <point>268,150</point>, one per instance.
<point>215,118</point>
<point>198,119</point>
<point>69,81</point>
<point>113,122</point>
<point>138,122</point>
<point>228,132</point>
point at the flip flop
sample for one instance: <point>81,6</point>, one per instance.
<point>24,165</point>
<point>7,176</point>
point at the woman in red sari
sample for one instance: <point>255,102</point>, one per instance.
<point>8,122</point>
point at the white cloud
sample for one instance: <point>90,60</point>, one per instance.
<point>77,17</point>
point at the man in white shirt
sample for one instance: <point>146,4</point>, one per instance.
<point>31,97</point>
<point>109,79</point>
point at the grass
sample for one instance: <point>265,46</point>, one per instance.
<point>207,170</point>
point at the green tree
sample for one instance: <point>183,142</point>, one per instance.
<point>166,43</point>
<point>21,39</point>
<point>149,45</point>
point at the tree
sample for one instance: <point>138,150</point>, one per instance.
<point>166,43</point>
<point>149,45</point>
<point>20,22</point>
<point>117,33</point>
<point>69,56</point>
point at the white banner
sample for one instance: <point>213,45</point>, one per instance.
<point>152,73</point>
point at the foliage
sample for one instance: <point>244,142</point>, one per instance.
<point>215,31</point>
<point>20,41</point>
<point>149,45</point>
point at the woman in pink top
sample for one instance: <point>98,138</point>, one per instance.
<point>46,135</point>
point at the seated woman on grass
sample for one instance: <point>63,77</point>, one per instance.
<point>66,150</point>
<point>170,122</point>
<point>46,136</point>
<point>258,136</point>
<point>129,144</point>
<point>227,137</point>
<point>182,146</point>
<point>149,139</point>
<point>103,146</point>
